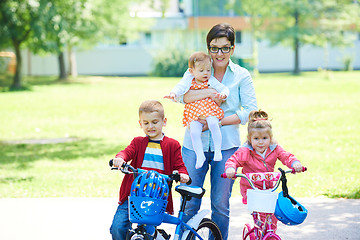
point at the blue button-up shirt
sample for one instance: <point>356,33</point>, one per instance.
<point>240,101</point>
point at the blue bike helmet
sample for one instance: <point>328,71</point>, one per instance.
<point>289,211</point>
<point>148,198</point>
<point>150,184</point>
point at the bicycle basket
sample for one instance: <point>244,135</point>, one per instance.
<point>261,200</point>
<point>145,210</point>
<point>289,211</point>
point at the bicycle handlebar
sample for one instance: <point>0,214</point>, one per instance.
<point>128,169</point>
<point>245,176</point>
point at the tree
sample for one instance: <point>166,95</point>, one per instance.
<point>256,13</point>
<point>299,22</point>
<point>18,19</point>
<point>335,20</point>
<point>51,26</point>
<point>67,23</point>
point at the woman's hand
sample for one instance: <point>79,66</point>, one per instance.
<point>195,95</point>
<point>184,178</point>
<point>220,96</point>
<point>204,123</point>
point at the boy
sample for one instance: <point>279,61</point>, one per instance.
<point>153,152</point>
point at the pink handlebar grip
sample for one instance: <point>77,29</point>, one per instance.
<point>303,170</point>
<point>224,176</point>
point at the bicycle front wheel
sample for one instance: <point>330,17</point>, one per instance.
<point>248,233</point>
<point>207,230</point>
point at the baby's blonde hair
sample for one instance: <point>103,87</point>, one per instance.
<point>259,119</point>
<point>198,57</point>
<point>150,106</point>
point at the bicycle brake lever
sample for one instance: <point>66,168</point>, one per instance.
<point>175,176</point>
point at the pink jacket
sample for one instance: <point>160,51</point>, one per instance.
<point>247,158</point>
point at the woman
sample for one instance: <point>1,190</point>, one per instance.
<point>241,100</point>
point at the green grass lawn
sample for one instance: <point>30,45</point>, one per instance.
<point>314,117</point>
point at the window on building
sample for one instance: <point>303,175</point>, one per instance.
<point>238,37</point>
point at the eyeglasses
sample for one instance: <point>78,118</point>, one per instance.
<point>223,49</point>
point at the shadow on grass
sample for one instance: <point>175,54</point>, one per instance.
<point>352,195</point>
<point>22,155</point>
<point>15,179</point>
<point>29,81</point>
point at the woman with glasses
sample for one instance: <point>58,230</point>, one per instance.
<point>241,100</point>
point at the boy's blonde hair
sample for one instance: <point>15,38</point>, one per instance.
<point>259,119</point>
<point>198,57</point>
<point>150,106</point>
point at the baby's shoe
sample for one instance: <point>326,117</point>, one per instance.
<point>217,156</point>
<point>200,161</point>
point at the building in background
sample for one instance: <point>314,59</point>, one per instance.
<point>184,27</point>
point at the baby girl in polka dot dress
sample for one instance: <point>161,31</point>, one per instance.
<point>200,68</point>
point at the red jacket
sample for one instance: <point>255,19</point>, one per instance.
<point>135,152</point>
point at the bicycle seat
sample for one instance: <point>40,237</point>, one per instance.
<point>191,191</point>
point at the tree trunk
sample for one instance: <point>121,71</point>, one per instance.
<point>18,70</point>
<point>255,55</point>
<point>72,62</point>
<point>296,44</point>
<point>62,71</point>
<point>297,56</point>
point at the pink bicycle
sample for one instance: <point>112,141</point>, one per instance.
<point>267,201</point>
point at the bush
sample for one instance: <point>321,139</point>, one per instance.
<point>171,63</point>
<point>348,62</point>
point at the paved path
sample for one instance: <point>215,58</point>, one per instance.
<point>90,218</point>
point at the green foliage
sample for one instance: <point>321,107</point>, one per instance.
<point>171,63</point>
<point>348,62</point>
<point>319,23</point>
<point>116,23</point>
<point>46,26</point>
<point>66,22</point>
<point>258,12</point>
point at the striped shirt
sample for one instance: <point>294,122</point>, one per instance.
<point>153,158</point>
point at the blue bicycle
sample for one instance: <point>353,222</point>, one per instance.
<point>148,201</point>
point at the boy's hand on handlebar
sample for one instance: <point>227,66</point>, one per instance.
<point>184,178</point>
<point>118,162</point>
<point>298,167</point>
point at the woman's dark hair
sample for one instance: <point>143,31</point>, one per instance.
<point>221,30</point>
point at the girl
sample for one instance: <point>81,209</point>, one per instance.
<point>206,109</point>
<point>259,154</point>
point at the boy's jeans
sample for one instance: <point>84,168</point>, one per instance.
<point>220,188</point>
<point>121,223</point>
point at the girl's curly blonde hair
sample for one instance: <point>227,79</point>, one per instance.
<point>259,119</point>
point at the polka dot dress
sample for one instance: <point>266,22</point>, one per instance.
<point>202,108</point>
